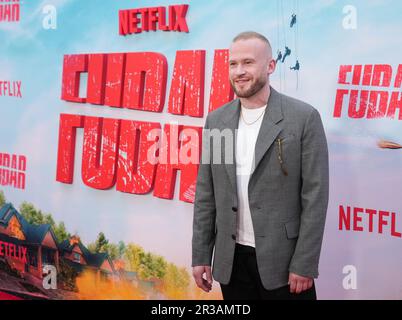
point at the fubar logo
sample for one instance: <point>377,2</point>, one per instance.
<point>9,10</point>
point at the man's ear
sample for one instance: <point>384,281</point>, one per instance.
<point>271,66</point>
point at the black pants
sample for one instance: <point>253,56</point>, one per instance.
<point>245,282</point>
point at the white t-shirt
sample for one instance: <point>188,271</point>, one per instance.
<point>245,155</point>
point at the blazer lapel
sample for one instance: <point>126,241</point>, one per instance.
<point>269,129</point>
<point>231,122</point>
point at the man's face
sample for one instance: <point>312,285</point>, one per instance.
<point>250,63</point>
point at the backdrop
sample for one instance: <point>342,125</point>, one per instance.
<point>85,84</point>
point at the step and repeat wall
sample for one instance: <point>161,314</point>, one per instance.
<point>93,207</point>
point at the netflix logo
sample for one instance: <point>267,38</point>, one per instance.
<point>10,89</point>
<point>9,10</point>
<point>12,170</point>
<point>369,92</point>
<point>368,220</point>
<point>10,250</point>
<point>171,18</point>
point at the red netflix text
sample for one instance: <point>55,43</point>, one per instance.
<point>171,18</point>
<point>10,88</point>
<point>10,250</point>
<point>368,220</point>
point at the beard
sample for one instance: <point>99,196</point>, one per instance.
<point>252,90</point>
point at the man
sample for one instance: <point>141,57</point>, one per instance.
<point>293,20</point>
<point>296,67</point>
<point>264,213</point>
<point>279,57</point>
<point>287,53</point>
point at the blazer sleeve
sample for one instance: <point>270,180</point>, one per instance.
<point>314,197</point>
<point>203,239</point>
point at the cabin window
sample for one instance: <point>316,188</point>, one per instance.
<point>48,256</point>
<point>8,213</point>
<point>77,257</point>
<point>33,256</point>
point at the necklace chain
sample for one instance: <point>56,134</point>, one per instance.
<point>250,123</point>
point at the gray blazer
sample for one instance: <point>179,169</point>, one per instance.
<point>288,203</point>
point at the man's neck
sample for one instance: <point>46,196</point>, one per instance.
<point>258,100</point>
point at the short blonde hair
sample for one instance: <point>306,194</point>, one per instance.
<point>252,35</point>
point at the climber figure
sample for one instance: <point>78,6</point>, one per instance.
<point>279,56</point>
<point>293,20</point>
<point>296,66</point>
<point>287,53</point>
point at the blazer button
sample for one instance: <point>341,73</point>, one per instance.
<point>233,236</point>
<point>234,209</point>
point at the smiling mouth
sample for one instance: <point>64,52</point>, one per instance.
<point>242,81</point>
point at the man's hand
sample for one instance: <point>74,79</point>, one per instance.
<point>204,284</point>
<point>298,283</point>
